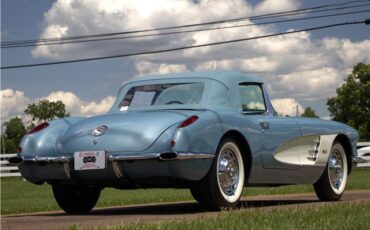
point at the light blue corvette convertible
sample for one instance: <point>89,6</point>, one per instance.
<point>212,132</point>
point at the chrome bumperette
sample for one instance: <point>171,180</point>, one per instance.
<point>18,160</point>
<point>357,160</point>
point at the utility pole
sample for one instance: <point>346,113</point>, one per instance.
<point>2,139</point>
<point>296,111</point>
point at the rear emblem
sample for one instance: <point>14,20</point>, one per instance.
<point>98,131</point>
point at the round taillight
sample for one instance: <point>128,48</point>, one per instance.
<point>188,121</point>
<point>38,128</point>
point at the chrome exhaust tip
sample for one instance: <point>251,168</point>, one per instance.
<point>168,156</point>
<point>16,161</point>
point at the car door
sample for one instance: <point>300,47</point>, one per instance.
<point>275,131</point>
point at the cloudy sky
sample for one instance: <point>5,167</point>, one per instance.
<point>301,69</point>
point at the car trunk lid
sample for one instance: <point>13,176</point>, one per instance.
<point>133,131</point>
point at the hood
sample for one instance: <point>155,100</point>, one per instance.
<point>122,132</point>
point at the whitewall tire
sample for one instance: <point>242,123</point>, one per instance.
<point>332,183</point>
<point>223,185</point>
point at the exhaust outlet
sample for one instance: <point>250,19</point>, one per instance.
<point>16,161</point>
<point>168,156</point>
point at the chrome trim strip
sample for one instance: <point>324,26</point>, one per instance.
<point>125,157</point>
<point>189,156</point>
<point>357,159</point>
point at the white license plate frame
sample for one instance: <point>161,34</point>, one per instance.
<point>90,160</point>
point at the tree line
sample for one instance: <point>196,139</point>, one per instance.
<point>351,105</point>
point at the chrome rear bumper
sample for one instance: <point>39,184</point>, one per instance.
<point>115,160</point>
<point>18,160</point>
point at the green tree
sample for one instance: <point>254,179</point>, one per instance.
<point>14,131</point>
<point>45,110</point>
<point>8,145</point>
<point>352,103</point>
<point>309,112</point>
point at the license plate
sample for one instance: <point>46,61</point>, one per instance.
<point>88,160</point>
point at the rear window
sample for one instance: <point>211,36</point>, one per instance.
<point>163,94</point>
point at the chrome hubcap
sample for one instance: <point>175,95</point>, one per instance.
<point>335,168</point>
<point>228,172</point>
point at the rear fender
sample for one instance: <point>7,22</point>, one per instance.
<point>43,143</point>
<point>202,136</point>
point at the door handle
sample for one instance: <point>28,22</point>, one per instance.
<point>265,125</point>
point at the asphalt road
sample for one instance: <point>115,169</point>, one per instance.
<point>167,211</point>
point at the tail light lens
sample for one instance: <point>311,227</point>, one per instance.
<point>188,121</point>
<point>38,128</point>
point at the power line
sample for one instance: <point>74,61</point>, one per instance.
<point>263,16</point>
<point>367,21</point>
<point>184,31</point>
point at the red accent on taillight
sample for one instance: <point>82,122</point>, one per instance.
<point>173,143</point>
<point>38,128</point>
<point>188,121</point>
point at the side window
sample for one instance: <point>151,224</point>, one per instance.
<point>252,99</point>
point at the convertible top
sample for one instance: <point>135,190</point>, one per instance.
<point>224,76</point>
<point>216,96</point>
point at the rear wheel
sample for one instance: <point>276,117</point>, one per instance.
<point>76,200</point>
<point>223,185</point>
<point>332,183</point>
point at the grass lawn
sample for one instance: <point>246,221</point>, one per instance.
<point>18,196</point>
<point>335,216</point>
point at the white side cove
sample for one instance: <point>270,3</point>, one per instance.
<point>310,150</point>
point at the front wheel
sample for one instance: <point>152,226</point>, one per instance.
<point>76,200</point>
<point>332,183</point>
<point>223,185</point>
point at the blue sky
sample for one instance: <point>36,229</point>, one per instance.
<point>93,81</point>
<point>23,19</point>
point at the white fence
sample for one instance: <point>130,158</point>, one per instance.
<point>9,171</point>
<point>6,170</point>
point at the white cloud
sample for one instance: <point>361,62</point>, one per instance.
<point>293,66</point>
<point>308,85</point>
<point>268,6</point>
<point>78,107</point>
<point>71,101</point>
<point>287,106</point>
<point>14,102</point>
<point>95,108</point>
<point>76,17</point>
<point>348,52</point>
<point>146,67</point>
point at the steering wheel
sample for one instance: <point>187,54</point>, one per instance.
<point>174,102</point>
